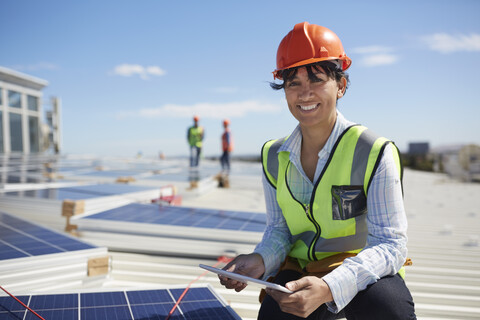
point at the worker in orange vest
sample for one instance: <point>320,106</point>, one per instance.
<point>227,147</point>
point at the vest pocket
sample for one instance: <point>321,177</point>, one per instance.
<point>348,202</point>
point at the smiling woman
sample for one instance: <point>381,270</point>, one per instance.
<point>336,224</point>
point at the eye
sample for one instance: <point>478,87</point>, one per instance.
<point>319,77</point>
<point>292,84</point>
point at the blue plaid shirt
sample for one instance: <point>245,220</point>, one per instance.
<point>386,249</point>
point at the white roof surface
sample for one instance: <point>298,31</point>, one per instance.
<point>444,228</point>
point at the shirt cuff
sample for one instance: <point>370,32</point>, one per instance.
<point>343,285</point>
<point>269,261</point>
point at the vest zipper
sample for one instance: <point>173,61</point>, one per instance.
<point>306,208</point>
<point>311,249</point>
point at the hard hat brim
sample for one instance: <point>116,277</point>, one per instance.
<point>346,63</point>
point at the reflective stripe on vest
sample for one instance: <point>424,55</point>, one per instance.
<point>335,219</point>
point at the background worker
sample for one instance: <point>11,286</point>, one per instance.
<point>336,224</point>
<point>227,147</point>
<point>195,135</point>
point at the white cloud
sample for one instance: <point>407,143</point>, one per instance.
<point>372,56</point>
<point>156,71</point>
<point>378,60</point>
<point>204,110</point>
<point>128,70</point>
<point>447,43</point>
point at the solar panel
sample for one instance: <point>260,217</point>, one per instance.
<point>199,303</point>
<point>46,205</point>
<point>185,217</point>
<point>80,192</point>
<point>19,238</point>
<point>173,230</point>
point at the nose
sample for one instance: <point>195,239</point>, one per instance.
<point>306,92</point>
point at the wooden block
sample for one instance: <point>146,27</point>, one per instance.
<point>71,228</point>
<point>125,179</point>
<point>98,266</point>
<point>71,207</point>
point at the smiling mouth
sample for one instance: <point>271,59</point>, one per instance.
<point>309,107</point>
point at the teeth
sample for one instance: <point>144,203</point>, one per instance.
<point>306,108</point>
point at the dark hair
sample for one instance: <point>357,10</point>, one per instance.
<point>331,70</point>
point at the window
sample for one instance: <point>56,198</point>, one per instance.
<point>16,137</point>
<point>32,103</point>
<point>14,99</point>
<point>34,133</point>
<point>1,131</point>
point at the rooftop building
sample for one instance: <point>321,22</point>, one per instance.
<point>21,114</point>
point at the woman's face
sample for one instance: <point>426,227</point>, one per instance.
<point>313,101</point>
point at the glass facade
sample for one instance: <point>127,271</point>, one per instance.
<point>1,131</point>
<point>16,133</point>
<point>14,99</point>
<point>32,103</point>
<point>34,134</point>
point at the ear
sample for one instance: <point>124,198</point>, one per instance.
<point>342,85</point>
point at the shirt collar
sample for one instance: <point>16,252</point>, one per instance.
<point>294,142</point>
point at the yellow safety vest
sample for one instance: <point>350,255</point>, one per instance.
<point>195,136</point>
<point>335,219</point>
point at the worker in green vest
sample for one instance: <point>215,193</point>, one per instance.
<point>195,136</point>
<point>336,224</point>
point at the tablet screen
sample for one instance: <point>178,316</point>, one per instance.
<point>245,279</point>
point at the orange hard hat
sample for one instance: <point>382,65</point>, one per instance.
<point>309,43</point>
<point>196,118</point>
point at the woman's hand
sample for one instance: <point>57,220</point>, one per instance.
<point>248,265</point>
<point>309,294</point>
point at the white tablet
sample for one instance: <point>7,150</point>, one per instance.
<point>245,279</point>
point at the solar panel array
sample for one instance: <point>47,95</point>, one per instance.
<point>199,303</point>
<point>19,238</point>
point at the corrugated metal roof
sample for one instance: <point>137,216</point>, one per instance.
<point>444,225</point>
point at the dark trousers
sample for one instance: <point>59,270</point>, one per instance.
<point>225,161</point>
<point>387,299</point>
<point>195,156</point>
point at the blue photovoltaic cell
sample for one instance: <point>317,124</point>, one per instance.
<point>198,304</point>
<point>19,238</point>
<point>186,217</point>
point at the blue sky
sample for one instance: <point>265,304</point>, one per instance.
<point>131,74</point>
